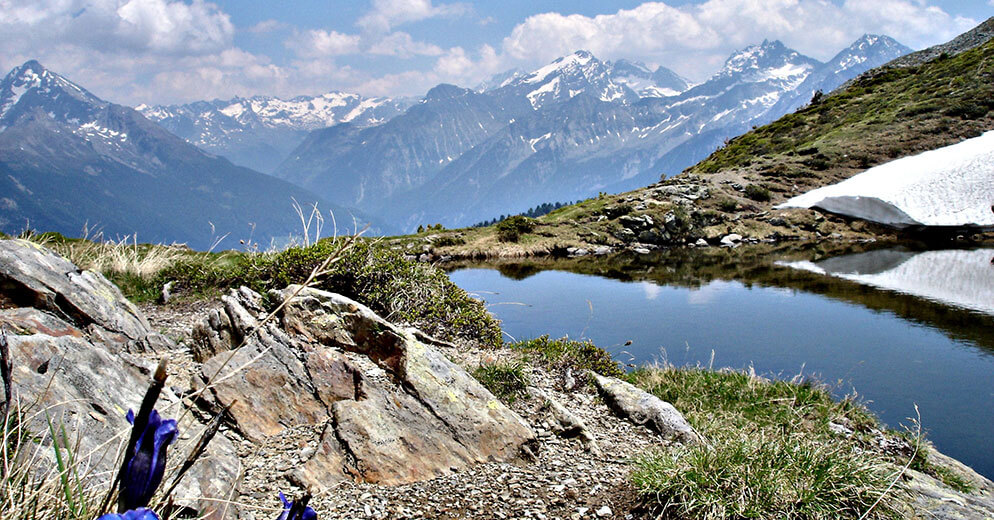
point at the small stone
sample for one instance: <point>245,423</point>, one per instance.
<point>604,512</point>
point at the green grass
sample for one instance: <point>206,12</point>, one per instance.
<point>565,352</point>
<point>769,451</point>
<point>416,293</point>
<point>507,380</point>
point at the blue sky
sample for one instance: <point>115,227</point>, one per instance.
<point>166,51</point>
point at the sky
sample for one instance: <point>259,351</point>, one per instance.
<point>176,51</point>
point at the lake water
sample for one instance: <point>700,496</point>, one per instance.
<point>897,327</point>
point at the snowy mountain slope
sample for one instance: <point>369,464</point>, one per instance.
<point>259,132</point>
<point>951,186</point>
<point>364,166</point>
<point>564,78</point>
<point>868,52</point>
<point>69,159</point>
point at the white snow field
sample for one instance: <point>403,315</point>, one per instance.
<point>961,278</point>
<point>950,186</point>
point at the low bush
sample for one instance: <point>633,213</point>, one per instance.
<point>507,380</point>
<point>757,193</point>
<point>565,352</point>
<point>511,228</point>
<point>728,205</point>
<point>448,240</point>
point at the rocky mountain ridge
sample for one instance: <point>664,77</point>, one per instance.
<point>70,161</point>
<point>571,143</point>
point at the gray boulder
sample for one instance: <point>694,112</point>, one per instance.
<point>32,276</point>
<point>643,408</point>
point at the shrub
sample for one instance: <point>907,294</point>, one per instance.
<point>506,380</point>
<point>511,229</point>
<point>449,240</point>
<point>380,278</point>
<point>757,193</point>
<point>565,352</point>
<point>727,205</point>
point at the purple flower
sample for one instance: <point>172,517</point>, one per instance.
<point>137,514</point>
<point>144,468</point>
<point>300,512</point>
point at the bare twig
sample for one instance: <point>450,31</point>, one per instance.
<point>918,442</point>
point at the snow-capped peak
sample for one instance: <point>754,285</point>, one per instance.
<point>770,60</point>
<point>565,65</point>
<point>33,77</point>
<point>873,48</point>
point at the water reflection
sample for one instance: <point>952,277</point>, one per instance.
<point>962,278</point>
<point>890,323</point>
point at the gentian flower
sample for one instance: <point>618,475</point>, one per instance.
<point>301,512</point>
<point>144,467</point>
<point>136,514</point>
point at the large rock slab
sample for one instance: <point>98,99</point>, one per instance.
<point>32,276</point>
<point>65,329</point>
<point>393,409</point>
<point>643,408</point>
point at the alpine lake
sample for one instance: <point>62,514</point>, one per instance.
<point>900,327</point>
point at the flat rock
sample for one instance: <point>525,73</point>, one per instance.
<point>643,408</point>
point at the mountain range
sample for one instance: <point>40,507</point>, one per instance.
<point>260,131</point>
<point>564,131</point>
<point>70,160</point>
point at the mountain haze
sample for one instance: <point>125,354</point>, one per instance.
<point>70,160</point>
<point>577,126</point>
<point>259,132</point>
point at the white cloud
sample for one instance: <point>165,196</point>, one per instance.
<point>695,38</point>
<point>315,43</point>
<point>268,26</point>
<point>151,26</point>
<point>401,44</point>
<point>387,14</point>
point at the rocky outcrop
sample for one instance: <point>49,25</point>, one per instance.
<point>391,409</point>
<point>643,408</point>
<point>34,277</point>
<point>931,498</point>
<point>69,332</point>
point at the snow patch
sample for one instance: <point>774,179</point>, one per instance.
<point>950,186</point>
